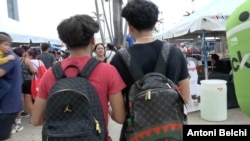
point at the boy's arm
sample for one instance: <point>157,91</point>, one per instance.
<point>4,60</point>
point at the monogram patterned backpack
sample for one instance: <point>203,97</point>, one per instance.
<point>73,110</point>
<point>156,109</point>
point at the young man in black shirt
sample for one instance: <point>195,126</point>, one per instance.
<point>141,17</point>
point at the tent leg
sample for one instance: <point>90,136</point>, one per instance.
<point>205,54</point>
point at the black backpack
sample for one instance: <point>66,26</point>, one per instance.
<point>156,109</point>
<point>26,74</point>
<point>73,110</point>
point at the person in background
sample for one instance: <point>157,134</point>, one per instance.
<point>30,54</point>
<point>100,52</point>
<point>183,48</point>
<point>27,70</point>
<point>217,65</point>
<point>11,104</point>
<point>4,86</point>
<point>47,58</point>
<point>142,16</point>
<point>77,32</point>
<point>129,40</point>
<point>110,51</point>
<point>65,54</point>
<point>59,56</point>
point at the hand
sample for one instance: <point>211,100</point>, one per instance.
<point>10,57</point>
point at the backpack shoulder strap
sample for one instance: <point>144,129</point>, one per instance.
<point>89,67</point>
<point>58,71</point>
<point>135,71</point>
<point>133,68</point>
<point>105,60</point>
<point>85,72</point>
<point>161,64</point>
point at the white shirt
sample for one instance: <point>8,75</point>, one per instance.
<point>35,63</point>
<point>110,54</point>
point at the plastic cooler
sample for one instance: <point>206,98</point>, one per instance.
<point>213,100</point>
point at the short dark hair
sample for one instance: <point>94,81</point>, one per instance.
<point>97,45</point>
<point>45,46</point>
<point>141,14</point>
<point>216,57</point>
<point>110,46</point>
<point>19,51</point>
<point>77,31</point>
<point>31,53</point>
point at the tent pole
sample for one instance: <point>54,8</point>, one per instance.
<point>205,54</point>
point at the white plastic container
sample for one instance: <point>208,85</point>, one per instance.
<point>213,100</point>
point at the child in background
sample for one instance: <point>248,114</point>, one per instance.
<point>4,48</point>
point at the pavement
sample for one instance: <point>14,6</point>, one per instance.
<point>234,117</point>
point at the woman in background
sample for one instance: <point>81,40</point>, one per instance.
<point>27,71</point>
<point>99,50</point>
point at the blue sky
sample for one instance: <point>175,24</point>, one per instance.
<point>45,15</point>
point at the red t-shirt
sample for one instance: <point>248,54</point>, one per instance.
<point>104,78</point>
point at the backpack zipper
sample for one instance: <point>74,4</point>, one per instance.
<point>168,85</point>
<point>97,126</point>
<point>148,92</point>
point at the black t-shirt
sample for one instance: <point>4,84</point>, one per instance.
<point>220,67</point>
<point>146,56</point>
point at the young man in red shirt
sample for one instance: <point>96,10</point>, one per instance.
<point>77,33</point>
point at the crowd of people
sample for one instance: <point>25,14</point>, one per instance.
<point>111,78</point>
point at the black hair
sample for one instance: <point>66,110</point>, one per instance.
<point>102,45</point>
<point>77,31</point>
<point>216,57</point>
<point>19,51</point>
<point>111,47</point>
<point>31,53</point>
<point>141,14</point>
<point>97,45</point>
<point>45,46</point>
<point>66,55</point>
<point>26,47</point>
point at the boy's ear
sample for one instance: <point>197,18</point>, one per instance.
<point>130,28</point>
<point>92,41</point>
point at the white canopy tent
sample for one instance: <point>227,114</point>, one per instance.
<point>23,34</point>
<point>211,19</point>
